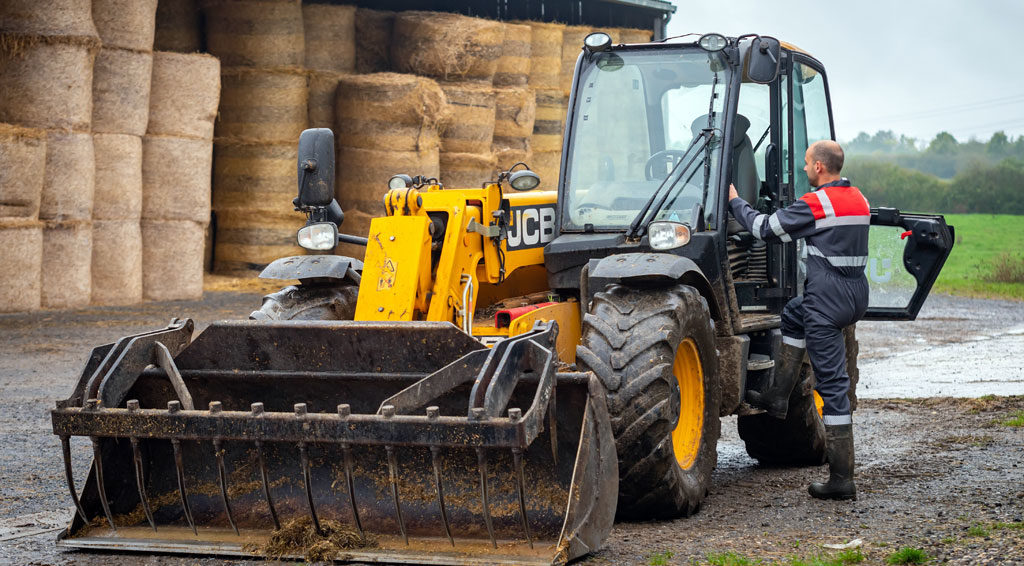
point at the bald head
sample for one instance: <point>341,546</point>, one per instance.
<point>829,154</point>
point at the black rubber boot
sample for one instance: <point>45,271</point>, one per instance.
<point>775,399</point>
<point>839,451</point>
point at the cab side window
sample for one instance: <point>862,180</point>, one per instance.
<point>811,120</point>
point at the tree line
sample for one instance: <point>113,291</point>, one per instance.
<point>943,176</point>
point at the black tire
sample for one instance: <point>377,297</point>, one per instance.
<point>310,302</point>
<point>799,440</point>
<point>630,341</point>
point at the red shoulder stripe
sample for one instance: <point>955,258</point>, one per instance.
<point>847,201</point>
<point>812,201</point>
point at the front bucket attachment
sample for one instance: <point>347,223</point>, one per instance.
<point>371,442</point>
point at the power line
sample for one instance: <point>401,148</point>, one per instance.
<point>954,109</point>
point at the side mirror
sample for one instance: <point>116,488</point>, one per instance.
<point>763,59</point>
<point>316,167</point>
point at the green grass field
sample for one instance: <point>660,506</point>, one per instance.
<point>983,242</point>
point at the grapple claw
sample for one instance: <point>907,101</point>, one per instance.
<point>97,455</point>
<point>180,470</point>
<point>393,478</point>
<point>435,459</point>
<point>218,448</point>
<point>481,458</point>
<point>65,446</point>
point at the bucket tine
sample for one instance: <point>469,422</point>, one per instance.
<point>180,468</point>
<point>307,476</point>
<point>347,456</point>
<point>257,410</point>
<point>218,448</point>
<point>517,460</point>
<point>481,458</point>
<point>139,482</point>
<point>393,475</point>
<point>553,426</point>
<point>97,457</point>
<point>65,445</point>
<point>435,459</point>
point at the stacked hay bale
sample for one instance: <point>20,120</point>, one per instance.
<point>177,154</point>
<point>373,40</point>
<point>330,34</point>
<point>120,112</point>
<point>22,158</point>
<point>263,110</point>
<point>47,52</point>
<point>386,123</point>
<point>515,102</point>
<point>177,26</point>
<point>545,79</point>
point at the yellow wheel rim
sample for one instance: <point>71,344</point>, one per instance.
<point>690,427</point>
<point>819,403</point>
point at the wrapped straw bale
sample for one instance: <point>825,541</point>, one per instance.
<point>545,55</point>
<point>373,40</point>
<point>176,178</point>
<point>572,46</point>
<point>22,160</point>
<point>628,35</point>
<point>66,264</point>
<point>255,33</point>
<point>247,240</point>
<point>21,252</point>
<point>262,105</point>
<point>467,170</point>
<point>118,177</point>
<point>172,259</point>
<point>514,64</point>
<point>185,94</point>
<point>509,151</point>
<point>120,91</point>
<point>46,82</point>
<point>177,26</point>
<point>69,179</point>
<point>549,122</point>
<point>546,165</point>
<point>471,124</point>
<point>116,262</point>
<point>515,111</point>
<point>362,174</point>
<point>125,24</point>
<point>323,85</point>
<point>389,111</point>
<point>446,46</point>
<point>49,17</point>
<point>254,176</point>
<point>330,33</point>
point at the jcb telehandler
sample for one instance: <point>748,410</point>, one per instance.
<point>502,374</point>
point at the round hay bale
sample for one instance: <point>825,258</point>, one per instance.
<point>389,111</point>
<point>572,46</point>
<point>125,24</point>
<point>545,55</point>
<point>21,251</point>
<point>118,193</point>
<point>514,64</point>
<point>373,40</point>
<point>330,33</point>
<point>247,240</point>
<point>262,105</point>
<point>362,174</point>
<point>323,85</point>
<point>509,151</point>
<point>69,180</point>
<point>254,176</point>
<point>446,46</point>
<point>120,91</point>
<point>515,111</point>
<point>116,262</point>
<point>177,26</point>
<point>172,259</point>
<point>66,276</point>
<point>549,122</point>
<point>628,35</point>
<point>184,95</point>
<point>356,223</point>
<point>546,165</point>
<point>471,124</point>
<point>46,82</point>
<point>255,33</point>
<point>22,157</point>
<point>50,17</point>
<point>176,178</point>
<point>467,170</point>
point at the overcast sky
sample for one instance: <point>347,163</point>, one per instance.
<point>916,67</point>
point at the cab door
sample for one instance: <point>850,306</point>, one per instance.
<point>906,252</point>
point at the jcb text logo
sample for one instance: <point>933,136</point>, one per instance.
<point>532,227</point>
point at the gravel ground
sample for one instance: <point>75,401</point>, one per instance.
<point>928,470</point>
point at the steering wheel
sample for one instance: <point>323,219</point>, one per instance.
<point>663,160</point>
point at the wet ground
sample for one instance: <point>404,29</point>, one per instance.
<point>942,475</point>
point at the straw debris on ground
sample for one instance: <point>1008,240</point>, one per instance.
<point>299,537</point>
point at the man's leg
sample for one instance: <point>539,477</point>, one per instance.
<point>827,352</point>
<point>775,399</point>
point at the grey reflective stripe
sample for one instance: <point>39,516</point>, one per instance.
<point>776,226</point>
<point>829,222</point>
<point>795,342</point>
<point>826,204</point>
<point>840,260</point>
<point>758,223</point>
<point>837,419</point>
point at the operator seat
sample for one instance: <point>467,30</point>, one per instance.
<point>744,168</point>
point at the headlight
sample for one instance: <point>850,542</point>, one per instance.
<point>319,237</point>
<point>668,235</point>
<point>713,42</point>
